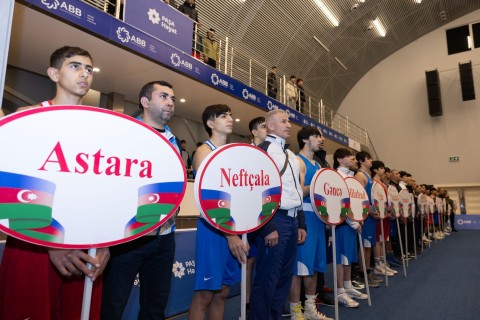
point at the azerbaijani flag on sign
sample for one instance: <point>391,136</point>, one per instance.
<point>26,202</point>
<point>345,207</point>
<point>270,200</point>
<point>156,200</point>
<point>320,203</point>
<point>365,207</point>
<point>216,205</point>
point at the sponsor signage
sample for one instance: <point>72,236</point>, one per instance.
<point>166,53</point>
<point>330,198</point>
<point>394,201</point>
<point>161,21</point>
<point>379,198</point>
<point>405,203</point>
<point>359,202</point>
<point>78,13</point>
<point>74,179</point>
<point>235,195</point>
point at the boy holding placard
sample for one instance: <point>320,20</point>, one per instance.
<point>346,244</point>
<point>217,255</point>
<point>311,255</point>
<point>46,283</point>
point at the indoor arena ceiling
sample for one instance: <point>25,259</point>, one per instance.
<point>282,33</point>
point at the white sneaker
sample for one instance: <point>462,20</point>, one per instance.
<point>312,313</point>
<point>354,294</point>
<point>296,312</point>
<point>381,271</point>
<point>345,300</point>
<point>382,265</point>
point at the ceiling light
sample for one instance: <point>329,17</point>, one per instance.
<point>327,12</point>
<point>320,42</point>
<point>182,100</point>
<point>95,69</point>
<point>469,42</point>
<point>379,27</point>
<point>340,63</point>
<point>418,1</point>
<point>237,120</point>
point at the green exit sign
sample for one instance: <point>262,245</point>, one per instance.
<point>454,159</point>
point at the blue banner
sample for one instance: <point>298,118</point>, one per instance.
<point>130,37</point>
<point>161,21</point>
<point>467,221</point>
<point>78,13</point>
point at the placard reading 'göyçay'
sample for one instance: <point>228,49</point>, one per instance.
<point>237,188</point>
<point>82,177</point>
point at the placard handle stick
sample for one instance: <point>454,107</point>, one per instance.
<point>414,236</point>
<point>365,276</point>
<point>406,241</point>
<point>404,256</point>
<point>243,285</point>
<point>384,252</point>
<point>335,290</point>
<point>87,289</point>
<point>421,227</point>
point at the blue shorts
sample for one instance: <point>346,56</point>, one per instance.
<point>346,245</point>
<point>369,232</point>
<point>312,254</point>
<point>435,218</point>
<point>393,228</point>
<point>214,264</point>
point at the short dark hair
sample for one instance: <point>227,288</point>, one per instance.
<point>182,141</point>
<point>61,54</point>
<point>274,67</point>
<point>376,164</point>
<point>404,174</point>
<point>255,122</point>
<point>293,77</point>
<point>340,154</point>
<point>211,112</point>
<point>305,133</point>
<point>362,156</point>
<point>387,169</point>
<point>147,90</point>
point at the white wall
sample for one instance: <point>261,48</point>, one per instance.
<point>391,102</point>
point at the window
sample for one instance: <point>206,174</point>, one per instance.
<point>476,35</point>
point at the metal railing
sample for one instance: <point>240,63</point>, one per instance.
<point>240,65</point>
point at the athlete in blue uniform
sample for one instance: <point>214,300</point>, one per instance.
<point>217,255</point>
<point>311,255</point>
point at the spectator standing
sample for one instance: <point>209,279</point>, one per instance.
<point>291,92</point>
<point>272,85</point>
<point>210,49</point>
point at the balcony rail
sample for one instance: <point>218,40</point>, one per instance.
<point>239,64</point>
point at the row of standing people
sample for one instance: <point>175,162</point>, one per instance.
<point>294,92</point>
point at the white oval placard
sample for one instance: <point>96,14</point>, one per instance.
<point>359,202</point>
<point>394,201</point>
<point>439,204</point>
<point>405,203</point>
<point>379,198</point>
<point>329,194</point>
<point>237,188</point>
<point>422,203</point>
<point>82,177</point>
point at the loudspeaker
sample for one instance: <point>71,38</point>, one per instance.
<point>466,81</point>
<point>434,96</point>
